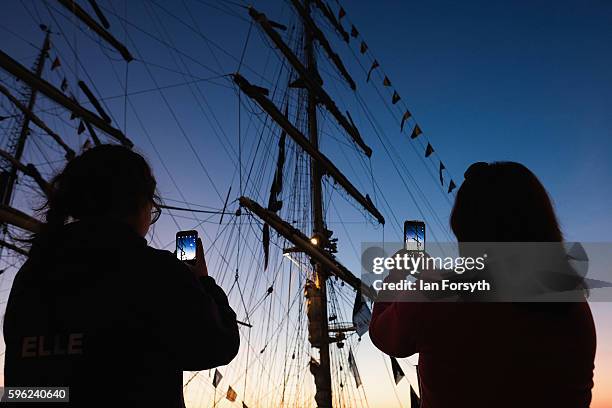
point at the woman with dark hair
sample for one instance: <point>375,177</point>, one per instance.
<point>503,354</point>
<point>97,310</point>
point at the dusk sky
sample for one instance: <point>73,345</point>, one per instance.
<point>525,81</point>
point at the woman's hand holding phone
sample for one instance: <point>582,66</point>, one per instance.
<point>199,266</point>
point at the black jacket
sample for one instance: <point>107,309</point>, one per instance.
<point>114,320</point>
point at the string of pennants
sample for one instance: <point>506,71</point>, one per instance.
<point>395,96</point>
<point>398,374</point>
<point>64,87</point>
<point>231,393</point>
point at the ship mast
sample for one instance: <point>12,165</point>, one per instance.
<point>17,145</point>
<point>318,318</point>
<point>319,247</point>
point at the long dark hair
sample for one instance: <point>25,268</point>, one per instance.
<point>106,181</point>
<point>503,202</point>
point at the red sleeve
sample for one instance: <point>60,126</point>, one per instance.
<point>396,328</point>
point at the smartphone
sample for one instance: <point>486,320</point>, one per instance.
<point>414,235</point>
<point>186,245</point>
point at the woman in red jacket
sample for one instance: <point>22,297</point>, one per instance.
<point>495,354</point>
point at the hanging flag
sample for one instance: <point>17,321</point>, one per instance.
<point>361,315</point>
<point>441,177</point>
<point>398,373</point>
<point>395,98</point>
<point>386,81</point>
<point>274,204</point>
<point>416,132</point>
<point>81,128</point>
<point>64,85</point>
<point>406,116</point>
<point>375,65</point>
<point>451,186</point>
<point>429,150</point>
<point>363,48</point>
<point>231,394</point>
<point>353,366</point>
<point>56,63</point>
<point>415,401</point>
<point>341,13</point>
<point>265,241</point>
<point>354,32</point>
<point>244,405</point>
<point>216,378</point>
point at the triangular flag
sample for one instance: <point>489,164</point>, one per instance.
<point>361,315</point>
<point>81,128</point>
<point>415,401</point>
<point>244,405</point>
<point>231,394</point>
<point>429,150</point>
<point>441,177</point>
<point>56,63</point>
<point>341,13</point>
<point>375,65</point>
<point>398,373</point>
<point>406,116</point>
<point>354,32</point>
<point>416,132</point>
<point>395,98</point>
<point>353,366</point>
<point>64,85</point>
<point>386,81</point>
<point>216,378</point>
<point>363,48</point>
<point>451,186</point>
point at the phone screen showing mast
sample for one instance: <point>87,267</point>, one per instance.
<point>186,247</point>
<point>414,235</point>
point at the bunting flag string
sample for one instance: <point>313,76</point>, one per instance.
<point>395,98</point>
<point>415,401</point>
<point>216,378</point>
<point>416,132</point>
<point>406,116</point>
<point>231,394</point>
<point>363,48</point>
<point>398,373</point>
<point>56,63</point>
<point>375,65</point>
<point>81,128</point>
<point>429,150</point>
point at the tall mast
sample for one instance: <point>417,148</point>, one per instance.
<point>317,319</point>
<point>17,146</point>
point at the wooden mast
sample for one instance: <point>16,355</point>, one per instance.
<point>318,294</point>
<point>8,187</point>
